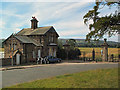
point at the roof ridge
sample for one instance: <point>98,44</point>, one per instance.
<point>37,27</point>
<point>46,26</point>
<point>38,31</point>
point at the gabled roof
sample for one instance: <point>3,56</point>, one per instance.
<point>25,39</point>
<point>7,39</point>
<point>37,31</point>
<point>22,35</point>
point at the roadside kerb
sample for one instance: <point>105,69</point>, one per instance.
<point>19,67</point>
<point>64,63</point>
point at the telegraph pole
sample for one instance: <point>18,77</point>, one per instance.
<point>118,16</point>
<point>12,51</point>
<point>118,30</point>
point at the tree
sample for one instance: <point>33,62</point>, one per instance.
<point>72,43</point>
<point>60,44</point>
<point>78,53</point>
<point>61,53</point>
<point>102,24</point>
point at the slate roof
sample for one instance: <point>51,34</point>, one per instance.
<point>25,39</point>
<point>23,34</point>
<point>37,31</point>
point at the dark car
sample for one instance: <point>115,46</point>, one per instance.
<point>51,59</point>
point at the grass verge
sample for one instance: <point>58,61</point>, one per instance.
<point>101,78</point>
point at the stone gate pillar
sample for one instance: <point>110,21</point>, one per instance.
<point>105,51</point>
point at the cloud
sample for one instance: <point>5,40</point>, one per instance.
<point>57,11</point>
<point>48,0</point>
<point>67,18</point>
<point>60,15</point>
<point>107,10</point>
<point>2,24</point>
<point>113,38</point>
<point>67,23</point>
<point>71,31</point>
<point>70,8</point>
<point>42,13</point>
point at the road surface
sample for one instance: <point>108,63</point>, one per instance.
<point>12,77</point>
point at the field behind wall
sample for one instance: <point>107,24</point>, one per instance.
<point>88,51</point>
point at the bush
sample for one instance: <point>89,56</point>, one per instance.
<point>74,54</point>
<point>61,53</point>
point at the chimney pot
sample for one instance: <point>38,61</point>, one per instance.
<point>34,22</point>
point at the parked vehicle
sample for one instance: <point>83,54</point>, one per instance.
<point>51,59</point>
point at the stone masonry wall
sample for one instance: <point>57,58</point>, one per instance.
<point>8,47</point>
<point>5,61</point>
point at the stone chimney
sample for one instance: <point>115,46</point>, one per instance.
<point>34,22</point>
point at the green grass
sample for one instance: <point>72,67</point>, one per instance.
<point>101,78</point>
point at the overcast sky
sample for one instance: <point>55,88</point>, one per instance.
<point>66,17</point>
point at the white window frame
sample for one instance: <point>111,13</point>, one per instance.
<point>33,54</point>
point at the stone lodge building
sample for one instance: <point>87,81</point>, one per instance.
<point>31,43</point>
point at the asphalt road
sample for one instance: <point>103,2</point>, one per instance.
<point>12,77</point>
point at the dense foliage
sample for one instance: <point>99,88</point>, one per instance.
<point>61,53</point>
<point>83,43</point>
<point>74,54</point>
<point>101,25</point>
<point>72,43</point>
<point>71,53</point>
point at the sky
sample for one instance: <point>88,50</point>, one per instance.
<point>65,17</point>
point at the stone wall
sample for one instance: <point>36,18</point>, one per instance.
<point>29,48</point>
<point>8,46</point>
<point>5,61</point>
